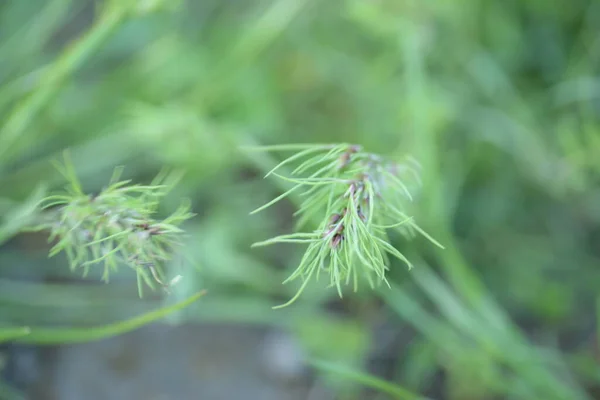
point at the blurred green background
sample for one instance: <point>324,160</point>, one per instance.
<point>499,101</point>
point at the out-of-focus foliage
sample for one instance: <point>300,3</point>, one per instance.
<point>114,227</point>
<point>499,102</point>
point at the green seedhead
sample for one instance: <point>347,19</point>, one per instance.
<point>115,227</point>
<point>355,198</point>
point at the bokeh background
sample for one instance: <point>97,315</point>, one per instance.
<point>499,101</point>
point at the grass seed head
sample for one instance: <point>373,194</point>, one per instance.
<point>353,198</point>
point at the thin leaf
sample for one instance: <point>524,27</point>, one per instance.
<point>49,336</point>
<point>391,389</point>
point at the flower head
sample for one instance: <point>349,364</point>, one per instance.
<point>357,197</point>
<point>115,227</point>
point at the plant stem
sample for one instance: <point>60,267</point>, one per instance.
<point>79,335</point>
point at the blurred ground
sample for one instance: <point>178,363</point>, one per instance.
<point>219,362</point>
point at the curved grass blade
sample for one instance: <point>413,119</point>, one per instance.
<point>45,336</point>
<point>394,390</point>
<point>8,334</point>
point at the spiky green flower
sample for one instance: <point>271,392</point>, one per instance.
<point>116,227</point>
<point>357,197</point>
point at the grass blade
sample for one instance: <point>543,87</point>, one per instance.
<point>45,336</point>
<point>394,390</point>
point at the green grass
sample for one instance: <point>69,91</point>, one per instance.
<point>47,336</point>
<point>498,102</point>
<point>354,198</point>
<point>370,381</point>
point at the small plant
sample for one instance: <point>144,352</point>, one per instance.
<point>356,197</point>
<point>115,227</point>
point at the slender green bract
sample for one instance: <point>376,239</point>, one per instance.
<point>354,198</point>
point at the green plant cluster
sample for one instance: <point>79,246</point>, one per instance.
<point>117,226</point>
<point>357,196</point>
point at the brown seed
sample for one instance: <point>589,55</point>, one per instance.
<point>337,239</point>
<point>344,160</point>
<point>154,231</point>
<point>334,219</point>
